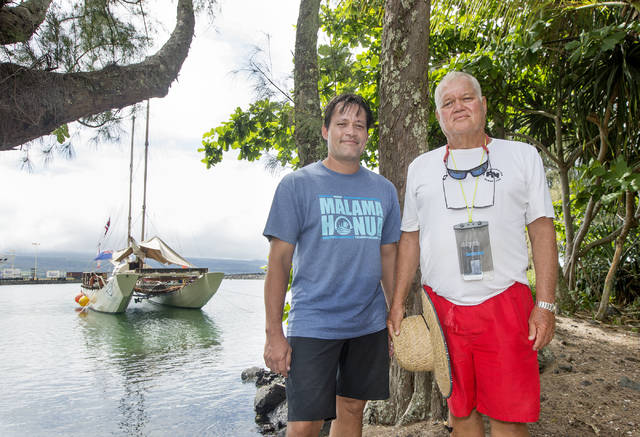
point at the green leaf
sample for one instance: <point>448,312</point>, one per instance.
<point>608,198</point>
<point>62,133</point>
<point>536,46</point>
<point>608,44</point>
<point>572,45</point>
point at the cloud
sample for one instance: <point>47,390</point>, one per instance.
<point>202,213</point>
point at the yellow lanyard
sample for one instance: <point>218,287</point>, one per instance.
<point>475,190</point>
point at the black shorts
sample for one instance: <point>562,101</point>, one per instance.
<point>355,368</point>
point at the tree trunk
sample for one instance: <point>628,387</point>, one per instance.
<point>403,119</point>
<point>571,263</point>
<point>563,296</point>
<point>617,255</point>
<point>593,204</point>
<point>33,102</point>
<point>563,291</point>
<point>404,93</point>
<point>308,116</point>
<point>18,24</point>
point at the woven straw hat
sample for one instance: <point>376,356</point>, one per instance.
<point>421,346</point>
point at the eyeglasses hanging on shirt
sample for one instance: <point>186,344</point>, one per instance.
<point>475,171</point>
<point>481,189</point>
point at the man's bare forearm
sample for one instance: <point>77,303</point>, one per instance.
<point>406,265</point>
<point>545,257</point>
<point>275,285</point>
<point>388,255</point>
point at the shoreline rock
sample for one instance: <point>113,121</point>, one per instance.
<point>270,402</point>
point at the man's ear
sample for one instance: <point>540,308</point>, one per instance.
<point>325,132</point>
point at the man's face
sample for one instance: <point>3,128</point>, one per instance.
<point>461,110</point>
<point>347,133</point>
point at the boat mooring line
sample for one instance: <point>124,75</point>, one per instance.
<point>250,295</point>
<point>238,306</point>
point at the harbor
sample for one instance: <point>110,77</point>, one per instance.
<point>152,370</point>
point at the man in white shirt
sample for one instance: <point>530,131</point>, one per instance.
<point>466,208</point>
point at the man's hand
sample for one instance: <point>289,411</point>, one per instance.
<point>277,355</point>
<point>542,324</point>
<point>394,321</point>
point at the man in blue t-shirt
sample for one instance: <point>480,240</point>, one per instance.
<point>337,223</point>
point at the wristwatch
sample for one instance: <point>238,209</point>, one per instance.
<point>547,306</point>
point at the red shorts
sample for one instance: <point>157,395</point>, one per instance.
<point>494,366</point>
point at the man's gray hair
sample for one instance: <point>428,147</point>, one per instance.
<point>453,75</point>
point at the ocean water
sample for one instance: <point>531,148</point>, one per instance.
<point>152,371</point>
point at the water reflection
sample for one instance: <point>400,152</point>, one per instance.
<point>148,332</point>
<point>130,349</point>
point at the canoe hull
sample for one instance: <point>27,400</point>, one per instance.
<point>193,295</point>
<point>115,296</point>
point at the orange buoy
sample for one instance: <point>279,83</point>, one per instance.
<point>78,297</point>
<point>83,301</point>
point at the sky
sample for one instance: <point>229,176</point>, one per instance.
<point>217,213</point>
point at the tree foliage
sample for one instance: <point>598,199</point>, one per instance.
<point>67,61</point>
<point>266,126</point>
<point>348,61</point>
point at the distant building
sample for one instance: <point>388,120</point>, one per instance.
<point>74,275</point>
<point>11,274</point>
<point>54,274</point>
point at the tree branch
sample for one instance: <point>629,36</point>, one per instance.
<point>577,151</point>
<point>18,24</point>
<point>604,240</point>
<point>537,112</point>
<point>33,102</point>
<point>259,70</point>
<point>538,145</point>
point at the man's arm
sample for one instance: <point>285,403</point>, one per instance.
<point>406,266</point>
<point>277,352</point>
<point>388,254</point>
<point>545,262</point>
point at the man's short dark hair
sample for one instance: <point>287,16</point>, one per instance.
<point>347,100</point>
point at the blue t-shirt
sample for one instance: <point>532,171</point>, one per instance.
<point>337,223</point>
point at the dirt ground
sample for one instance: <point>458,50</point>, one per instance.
<point>590,385</point>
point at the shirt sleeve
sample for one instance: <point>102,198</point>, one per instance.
<point>539,203</point>
<point>284,221</point>
<point>410,221</point>
<point>391,228</point>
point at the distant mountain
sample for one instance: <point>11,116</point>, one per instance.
<point>230,265</point>
<point>78,262</point>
